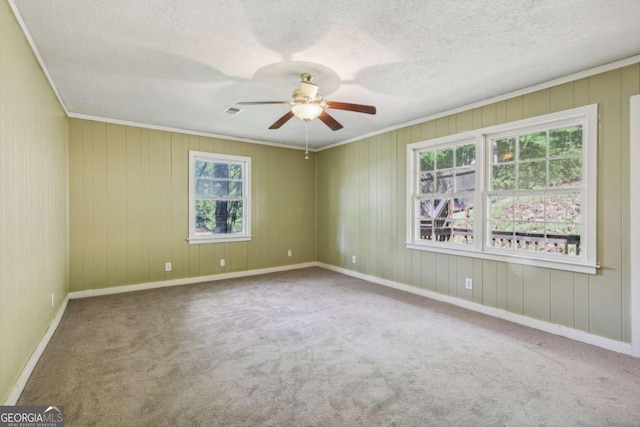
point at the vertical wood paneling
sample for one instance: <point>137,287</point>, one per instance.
<point>581,93</point>
<point>166,206</point>
<point>515,109</point>
<point>581,302</point>
<point>501,112</point>
<point>536,103</point>
<point>562,297</point>
<point>364,204</point>
<point>489,115</point>
<point>388,228</point>
<point>453,267</point>
<point>155,207</point>
<point>537,292</point>
<point>478,285</point>
<point>515,291</point>
<point>489,283</point>
<point>34,259</point>
<point>464,121</point>
<point>135,214</point>
<point>99,206</point>
<point>561,97</point>
<point>501,285</point>
<point>116,205</point>
<point>605,288</point>
<point>143,221</point>
<point>375,204</point>
<point>75,203</point>
<point>403,265</point>
<point>179,197</point>
<point>429,269</point>
<point>463,270</point>
<point>442,273</point>
<point>194,250</point>
<point>86,222</point>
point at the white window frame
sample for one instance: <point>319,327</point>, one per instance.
<point>245,235</point>
<point>583,263</point>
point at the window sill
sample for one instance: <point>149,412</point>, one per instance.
<point>224,239</point>
<point>575,267</point>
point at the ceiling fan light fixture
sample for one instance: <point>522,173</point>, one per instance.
<point>306,112</point>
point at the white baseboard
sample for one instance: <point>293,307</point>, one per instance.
<point>185,281</point>
<point>13,397</point>
<point>574,334</point>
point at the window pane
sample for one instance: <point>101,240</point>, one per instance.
<point>503,150</point>
<point>562,228</point>
<point>466,179</point>
<point>461,208</point>
<point>444,158</point>
<point>424,229</point>
<point>440,208</point>
<point>503,177</point>
<point>462,232</point>
<point>565,141</point>
<point>445,181</point>
<point>529,208</point>
<point>502,208</point>
<point>235,189</point>
<point>227,217</point>
<point>235,171</point>
<point>204,209</point>
<point>501,234</point>
<point>426,161</point>
<point>530,236</point>
<point>533,146</point>
<point>532,175</point>
<point>221,170</point>
<point>203,169</point>
<point>465,155</point>
<point>563,208</point>
<point>530,228</point>
<point>565,173</point>
<point>425,208</point>
<point>427,183</point>
<point>220,189</point>
<point>203,187</point>
<point>502,227</point>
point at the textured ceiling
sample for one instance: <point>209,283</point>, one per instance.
<point>179,64</point>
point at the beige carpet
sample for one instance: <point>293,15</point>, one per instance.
<point>316,348</point>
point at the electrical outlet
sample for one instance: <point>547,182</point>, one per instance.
<point>222,262</point>
<point>167,266</point>
<point>289,252</point>
<point>353,259</point>
<point>468,283</point>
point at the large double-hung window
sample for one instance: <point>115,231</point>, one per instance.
<point>521,192</point>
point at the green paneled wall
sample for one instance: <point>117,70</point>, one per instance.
<point>361,211</point>
<point>129,205</point>
<point>33,202</point>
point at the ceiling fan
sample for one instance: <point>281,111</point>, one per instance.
<point>308,104</point>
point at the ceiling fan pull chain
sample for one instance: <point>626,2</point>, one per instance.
<point>306,139</point>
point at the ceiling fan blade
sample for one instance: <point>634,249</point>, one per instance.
<point>330,121</point>
<point>282,120</point>
<point>263,102</point>
<point>358,108</point>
